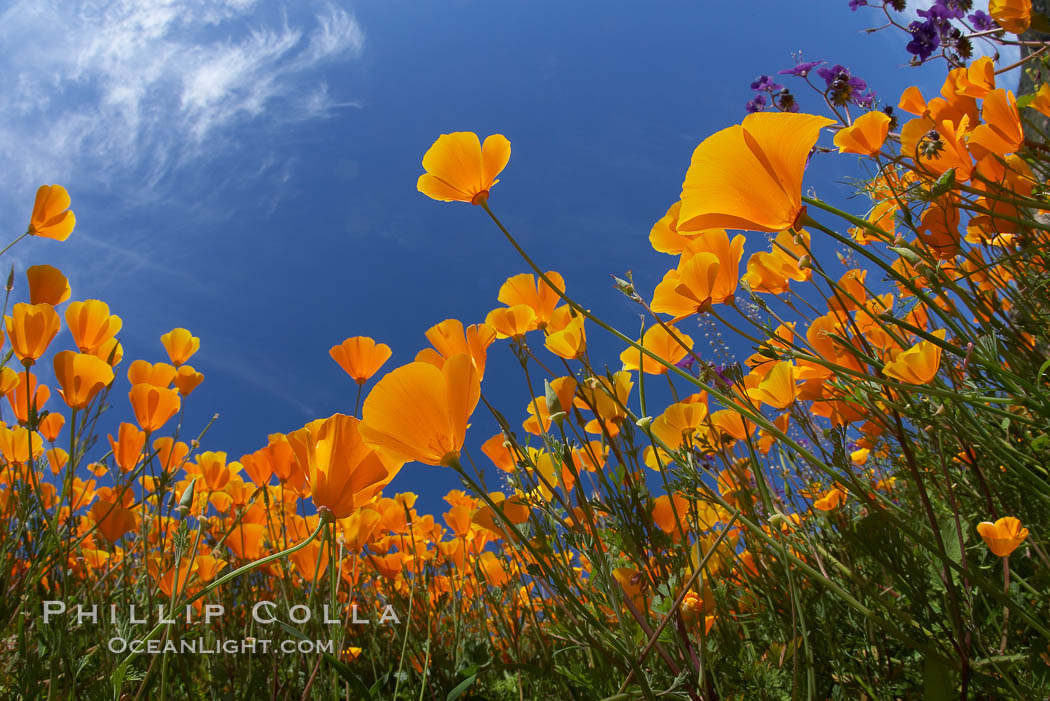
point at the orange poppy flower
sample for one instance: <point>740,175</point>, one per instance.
<point>15,444</point>
<point>81,377</point>
<point>360,357</point>
<point>30,328</point>
<point>47,285</point>
<point>246,540</point>
<point>689,289</point>
<point>52,218</point>
<point>1041,102</point>
<point>512,322</point>
<point>1003,536</point>
<point>532,291</point>
<point>181,345</point>
<point>156,374</point>
<point>450,338</point>
<point>343,472</point>
<point>110,511</point>
<point>918,365</point>
<point>258,466</point>
<point>832,499</point>
<point>670,518</point>
<point>569,342</point>
<point>57,458</point>
<point>51,425</point>
<point>19,395</point>
<point>187,379</point>
<point>1001,132</point>
<point>419,412</point>
<point>461,169</point>
<point>91,324</point>
<point>866,135</point>
<point>127,448</point>
<point>749,176</point>
<point>1012,15</point>
<point>778,389</point>
<point>153,406</point>
<point>170,454</point>
<point>497,451</point>
<point>670,344</point>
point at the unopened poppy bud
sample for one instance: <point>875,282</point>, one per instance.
<point>779,520</point>
<point>906,253</point>
<point>186,502</point>
<point>623,286</point>
<point>644,422</point>
<point>11,279</point>
<point>805,262</point>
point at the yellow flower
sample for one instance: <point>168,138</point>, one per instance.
<point>1012,15</point>
<point>918,365</point>
<point>865,135</point>
<point>52,218</point>
<point>420,412</point>
<point>461,169</point>
<point>1003,536</point>
<point>749,176</point>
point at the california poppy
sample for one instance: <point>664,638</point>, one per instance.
<point>47,284</point>
<point>30,328</point>
<point>81,377</point>
<point>451,337</point>
<point>532,291</point>
<point>668,344</point>
<point>343,472</point>
<point>461,169</point>
<point>866,135</point>
<point>180,344</point>
<point>1003,536</point>
<point>91,324</point>
<point>360,357</point>
<point>749,176</point>
<point>153,406</point>
<point>1012,15</point>
<point>156,374</point>
<point>127,448</point>
<point>187,379</point>
<point>420,412</point>
<point>52,218</point>
<point>918,365</point>
<point>1001,132</point>
<point>569,342</point>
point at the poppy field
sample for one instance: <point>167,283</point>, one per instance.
<point>856,508</point>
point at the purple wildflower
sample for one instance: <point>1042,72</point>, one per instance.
<point>801,69</point>
<point>687,362</point>
<point>843,87</point>
<point>756,104</point>
<point>764,83</point>
<point>981,21</point>
<point>854,4</point>
<point>925,39</point>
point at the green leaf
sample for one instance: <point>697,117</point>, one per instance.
<point>937,682</point>
<point>461,687</point>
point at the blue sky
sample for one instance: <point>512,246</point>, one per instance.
<point>247,169</point>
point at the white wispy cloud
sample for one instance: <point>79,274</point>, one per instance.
<point>136,88</point>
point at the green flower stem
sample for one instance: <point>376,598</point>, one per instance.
<point>321,523</point>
